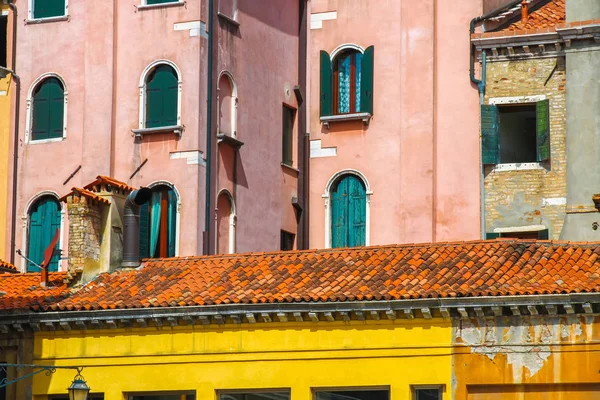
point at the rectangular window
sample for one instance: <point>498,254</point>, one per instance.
<point>165,396</point>
<point>353,394</point>
<point>427,393</point>
<point>255,396</point>
<point>287,240</point>
<point>48,8</point>
<point>150,2</point>
<point>91,396</point>
<point>2,378</point>
<point>539,235</point>
<point>289,114</point>
<point>3,40</point>
<point>228,9</point>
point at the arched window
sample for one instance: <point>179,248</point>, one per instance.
<point>48,109</point>
<point>225,224</point>
<point>227,105</point>
<point>348,212</point>
<point>158,223</point>
<point>346,82</point>
<point>44,220</point>
<point>161,95</point>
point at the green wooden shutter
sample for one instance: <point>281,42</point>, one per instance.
<point>172,238</point>
<point>348,213</point>
<point>288,129</point>
<point>326,99</point>
<point>144,230</point>
<point>35,239</point>
<point>41,112</point>
<point>339,215</point>
<point>57,109</point>
<point>543,234</point>
<point>44,220</point>
<point>48,8</point>
<point>161,97</point>
<point>366,81</point>
<point>160,1</point>
<point>491,235</point>
<point>489,134</point>
<point>543,130</point>
<point>357,212</point>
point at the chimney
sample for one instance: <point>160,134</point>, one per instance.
<point>131,220</point>
<point>525,11</point>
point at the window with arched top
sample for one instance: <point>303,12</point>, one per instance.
<point>47,109</point>
<point>227,106</point>
<point>225,224</point>
<point>346,83</point>
<point>162,86</point>
<point>348,211</point>
<point>158,223</point>
<point>43,221</point>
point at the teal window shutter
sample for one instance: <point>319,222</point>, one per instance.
<point>366,83</point>
<point>326,97</point>
<point>162,88</point>
<point>543,130</point>
<point>44,220</point>
<point>489,134</point>
<point>48,110</point>
<point>48,8</point>
<point>144,230</point>
<point>172,199</point>
<point>149,2</point>
<point>491,235</point>
<point>348,213</point>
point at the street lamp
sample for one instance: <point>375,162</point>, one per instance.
<point>79,389</point>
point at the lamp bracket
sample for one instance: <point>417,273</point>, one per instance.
<point>6,380</point>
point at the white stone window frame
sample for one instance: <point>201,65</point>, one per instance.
<point>142,92</point>
<point>25,235</point>
<point>231,18</point>
<point>520,100</point>
<point>31,17</point>
<point>234,102</point>
<point>177,210</point>
<point>232,221</point>
<point>327,196</point>
<point>144,4</point>
<point>29,110</point>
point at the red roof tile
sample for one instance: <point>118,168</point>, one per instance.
<point>547,15</point>
<point>105,180</point>
<point>7,267</point>
<point>23,291</point>
<point>85,193</point>
<point>466,269</point>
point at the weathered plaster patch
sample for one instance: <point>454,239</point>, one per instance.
<point>192,157</point>
<point>316,151</point>
<point>316,19</point>
<point>524,341</point>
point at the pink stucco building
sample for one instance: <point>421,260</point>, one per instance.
<point>132,96</point>
<point>394,123</point>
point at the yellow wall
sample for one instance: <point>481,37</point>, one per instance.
<point>298,356</point>
<point>5,124</point>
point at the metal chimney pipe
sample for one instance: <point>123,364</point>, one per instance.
<point>131,222</point>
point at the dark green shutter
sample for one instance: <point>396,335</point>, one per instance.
<point>48,110</point>
<point>491,235</point>
<point>48,8</point>
<point>348,213</point>
<point>489,134</point>
<point>160,1</point>
<point>144,230</point>
<point>161,97</point>
<point>326,99</point>
<point>366,81</point>
<point>543,130</point>
<point>543,234</point>
<point>44,220</point>
<point>172,199</point>
<point>288,129</point>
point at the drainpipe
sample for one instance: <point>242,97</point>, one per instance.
<point>17,79</point>
<point>481,89</point>
<point>131,224</point>
<point>209,88</point>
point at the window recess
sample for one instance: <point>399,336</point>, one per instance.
<point>515,133</point>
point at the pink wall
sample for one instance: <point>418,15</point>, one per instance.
<point>101,61</point>
<point>420,152</point>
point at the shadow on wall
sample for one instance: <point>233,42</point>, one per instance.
<point>276,17</point>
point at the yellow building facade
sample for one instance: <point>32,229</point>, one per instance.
<point>301,359</point>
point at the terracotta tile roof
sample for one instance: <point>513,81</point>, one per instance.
<point>7,267</point>
<point>107,181</point>
<point>547,14</point>
<point>85,193</point>
<point>23,291</point>
<point>466,269</point>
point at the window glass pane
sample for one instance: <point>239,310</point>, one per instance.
<point>517,134</point>
<point>344,71</point>
<point>358,56</point>
<point>48,8</point>
<point>354,395</point>
<point>428,394</point>
<point>255,396</point>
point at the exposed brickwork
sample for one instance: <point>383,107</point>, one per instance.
<point>84,232</point>
<point>515,198</point>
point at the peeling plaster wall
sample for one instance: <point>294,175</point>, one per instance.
<point>524,350</point>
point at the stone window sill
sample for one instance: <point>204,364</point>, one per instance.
<point>229,140</point>
<point>228,19</point>
<point>42,141</point>
<point>143,7</point>
<point>518,167</point>
<point>364,116</point>
<point>290,168</point>
<point>176,129</point>
<point>47,20</point>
